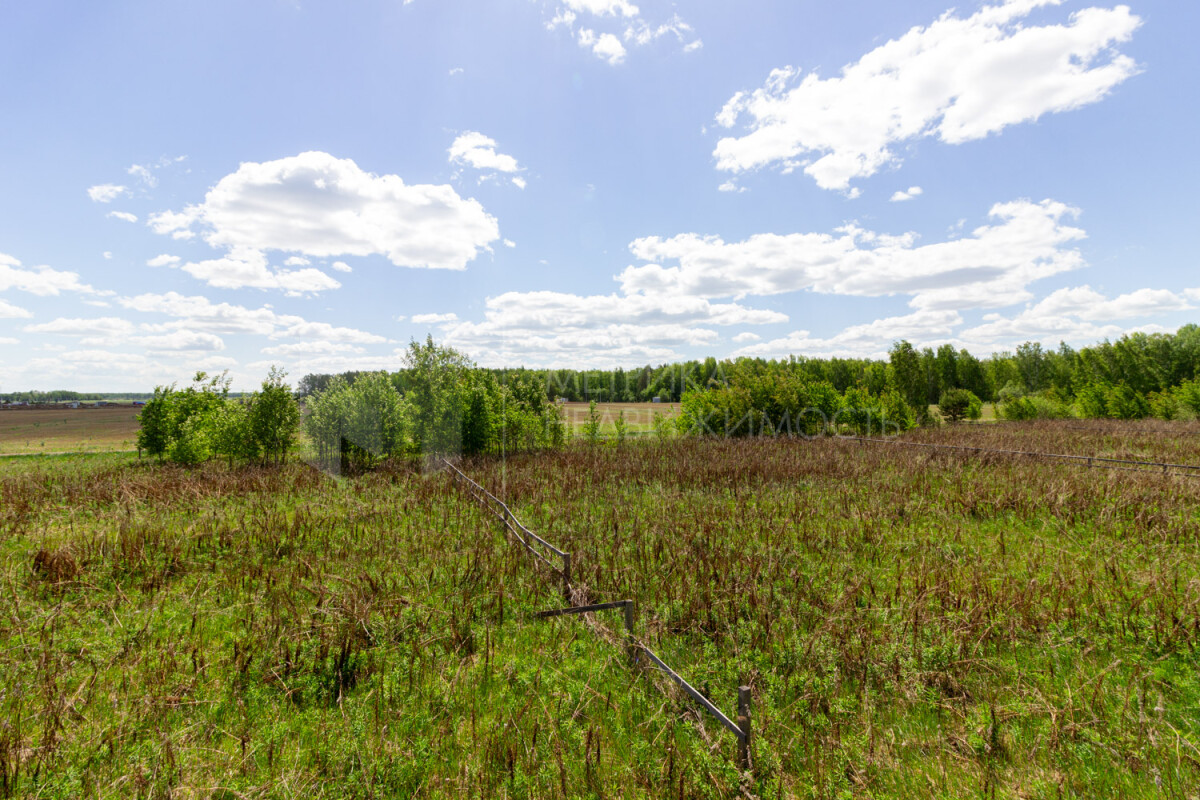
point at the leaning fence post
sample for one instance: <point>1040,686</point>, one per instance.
<point>566,577</point>
<point>743,722</point>
<point>629,631</point>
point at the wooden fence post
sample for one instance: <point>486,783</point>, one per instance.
<point>629,631</point>
<point>566,577</point>
<point>744,722</point>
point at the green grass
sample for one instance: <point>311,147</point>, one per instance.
<point>912,624</point>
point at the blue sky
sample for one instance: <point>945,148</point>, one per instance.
<point>583,183</point>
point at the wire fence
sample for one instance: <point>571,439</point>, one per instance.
<point>539,548</point>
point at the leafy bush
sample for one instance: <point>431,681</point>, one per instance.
<point>1164,405</point>
<point>192,425</point>
<point>959,404</point>
<point>1016,408</point>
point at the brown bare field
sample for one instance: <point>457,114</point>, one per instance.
<point>66,430</point>
<point>639,416</point>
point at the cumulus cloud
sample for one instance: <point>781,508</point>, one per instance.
<point>870,340</point>
<point>603,7</point>
<point>341,266</point>
<point>636,30</point>
<point>163,260</point>
<point>181,341</point>
<point>604,45</point>
<point>990,268</point>
<point>957,79</point>
<point>434,319</point>
<point>97,327</point>
<point>906,194</point>
<point>9,311</point>
<point>42,281</point>
<point>124,216</point>
<point>546,328</point>
<point>249,269</point>
<point>473,149</point>
<point>1077,315</point>
<point>312,348</point>
<point>198,313</point>
<point>106,192</point>
<point>319,206</point>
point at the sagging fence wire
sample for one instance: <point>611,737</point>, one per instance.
<point>1098,462</point>
<point>741,729</point>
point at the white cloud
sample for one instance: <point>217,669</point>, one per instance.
<point>106,192</point>
<point>731,186</point>
<point>163,260</point>
<point>198,313</point>
<point>144,174</point>
<point>181,341</point>
<point>341,266</point>
<point>312,348</point>
<point>178,224</point>
<point>1194,294</point>
<point>9,311</point>
<point>323,331</point>
<point>871,340</point>
<point>434,319</point>
<point>249,269</point>
<point>456,70</point>
<point>746,336</point>
<point>9,340</point>
<point>908,194</point>
<point>642,33</point>
<point>605,45</point>
<point>557,329</point>
<point>473,149</point>
<point>992,267</point>
<point>957,79</point>
<point>1073,314</point>
<point>297,261</point>
<point>97,327</point>
<point>123,215</point>
<point>316,205</point>
<point>519,182</point>
<point>42,281</point>
<point>603,7</point>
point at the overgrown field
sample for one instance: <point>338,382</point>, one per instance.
<point>913,623</point>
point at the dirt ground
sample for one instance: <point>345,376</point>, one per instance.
<point>64,430</point>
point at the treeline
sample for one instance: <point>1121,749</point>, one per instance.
<point>1146,363</point>
<point>440,403</point>
<point>66,396</point>
<point>1138,376</point>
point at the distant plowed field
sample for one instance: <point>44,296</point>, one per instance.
<point>68,430</point>
<point>639,416</point>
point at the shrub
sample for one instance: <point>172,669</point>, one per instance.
<point>1017,408</point>
<point>1164,405</point>
<point>959,404</point>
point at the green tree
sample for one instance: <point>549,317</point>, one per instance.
<point>437,381</point>
<point>591,428</point>
<point>274,417</point>
<point>959,404</point>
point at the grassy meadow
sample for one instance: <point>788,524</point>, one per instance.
<point>912,623</point>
